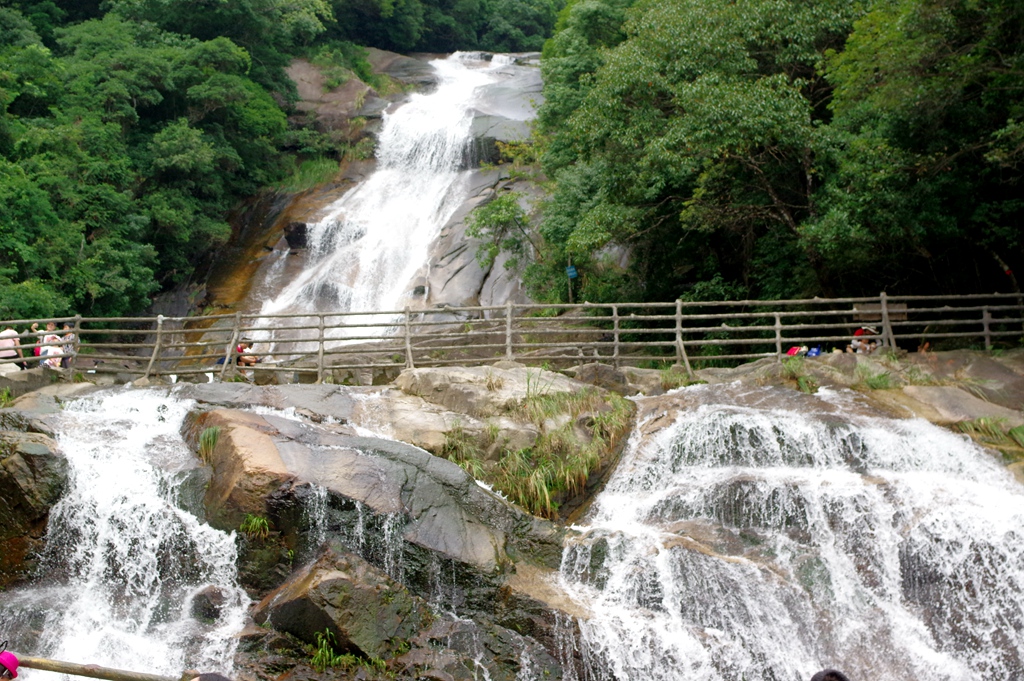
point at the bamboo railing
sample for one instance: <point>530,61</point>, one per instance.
<point>315,346</point>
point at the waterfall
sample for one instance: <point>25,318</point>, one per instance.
<point>368,245</point>
<point>768,543</point>
<point>124,561</point>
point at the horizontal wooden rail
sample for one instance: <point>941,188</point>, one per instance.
<point>686,333</point>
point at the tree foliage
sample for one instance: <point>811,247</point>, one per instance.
<point>783,147</point>
<point>129,128</point>
<point>125,146</point>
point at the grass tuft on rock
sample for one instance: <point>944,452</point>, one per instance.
<point>578,432</point>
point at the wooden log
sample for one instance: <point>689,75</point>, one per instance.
<point>95,671</point>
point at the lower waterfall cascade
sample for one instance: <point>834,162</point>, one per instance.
<point>769,543</point>
<point>757,533</point>
<point>124,560</point>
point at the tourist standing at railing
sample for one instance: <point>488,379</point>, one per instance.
<point>52,346</point>
<point>10,347</point>
<point>69,346</point>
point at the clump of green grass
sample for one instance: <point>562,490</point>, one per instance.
<point>559,464</point>
<point>311,173</point>
<point>793,369</point>
<point>917,376</point>
<point>255,526</point>
<point>459,446</point>
<point>1017,434</point>
<point>986,428</point>
<point>675,377</point>
<point>208,442</point>
<point>873,381</point>
<point>6,398</point>
<point>324,655</point>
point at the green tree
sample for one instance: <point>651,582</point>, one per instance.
<point>926,146</point>
<point>693,140</point>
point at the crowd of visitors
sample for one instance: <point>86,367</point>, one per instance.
<point>34,347</point>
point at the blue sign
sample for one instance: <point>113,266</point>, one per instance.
<point>571,271</point>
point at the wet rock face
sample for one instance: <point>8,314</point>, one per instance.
<point>295,235</point>
<point>368,613</point>
<point>372,616</point>
<point>33,475</point>
<point>454,276</point>
<point>435,505</point>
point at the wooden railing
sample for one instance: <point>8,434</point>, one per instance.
<point>353,345</point>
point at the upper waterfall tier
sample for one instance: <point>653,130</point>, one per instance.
<point>366,247</point>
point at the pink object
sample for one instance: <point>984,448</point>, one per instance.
<point>8,660</point>
<point>793,351</point>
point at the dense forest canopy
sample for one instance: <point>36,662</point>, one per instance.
<point>129,128</point>
<point>755,148</point>
<point>784,148</point>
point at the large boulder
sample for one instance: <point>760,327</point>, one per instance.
<point>438,506</point>
<point>370,615</point>
<point>33,475</point>
<point>454,276</point>
<point>245,460</point>
<point>367,612</point>
<point>483,391</point>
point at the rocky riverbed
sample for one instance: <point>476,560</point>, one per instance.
<point>386,520</point>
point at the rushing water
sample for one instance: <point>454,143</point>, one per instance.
<point>760,543</point>
<point>124,560</point>
<point>367,247</point>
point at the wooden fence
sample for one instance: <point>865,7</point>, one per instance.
<point>317,346</point>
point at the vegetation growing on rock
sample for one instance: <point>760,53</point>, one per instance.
<point>580,434</point>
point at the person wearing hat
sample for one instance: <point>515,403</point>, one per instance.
<point>862,342</point>
<point>829,675</point>
<point>8,665</point>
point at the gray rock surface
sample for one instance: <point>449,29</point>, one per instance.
<point>33,475</point>
<point>442,509</point>
<point>483,391</point>
<point>454,276</point>
<point>370,614</point>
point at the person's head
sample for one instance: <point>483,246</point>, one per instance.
<point>870,331</point>
<point>67,326</point>
<point>829,675</point>
<point>8,665</point>
<point>51,326</point>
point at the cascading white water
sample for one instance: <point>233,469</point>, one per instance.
<point>765,543</point>
<point>364,252</point>
<point>124,560</point>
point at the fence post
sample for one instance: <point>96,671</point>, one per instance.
<point>680,348</point>
<point>778,336</point>
<point>615,333</point>
<point>76,343</point>
<point>887,337</point>
<point>229,352</point>
<point>156,344</point>
<point>408,342</point>
<point>320,350</point>
<point>508,331</point>
<point>986,321</point>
